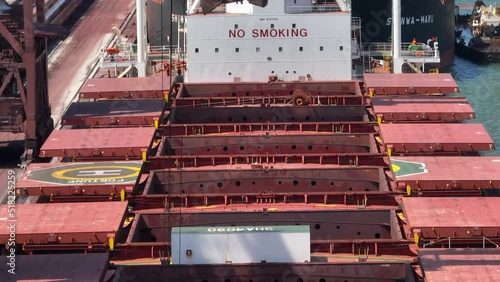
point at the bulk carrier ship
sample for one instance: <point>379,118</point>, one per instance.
<point>268,163</point>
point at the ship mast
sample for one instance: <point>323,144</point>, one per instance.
<point>397,61</point>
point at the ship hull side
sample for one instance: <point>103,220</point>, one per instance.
<point>421,20</point>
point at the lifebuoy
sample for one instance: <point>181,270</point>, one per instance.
<point>418,54</point>
<point>301,98</point>
<point>490,58</point>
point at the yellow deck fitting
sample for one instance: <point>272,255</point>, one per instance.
<point>389,151</point>
<point>408,190</point>
<point>122,195</point>
<point>111,242</point>
<point>144,156</point>
<point>155,123</point>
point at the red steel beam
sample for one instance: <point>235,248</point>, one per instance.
<point>360,159</point>
<point>237,115</point>
<point>327,198</point>
<point>211,102</point>
<point>252,89</point>
<point>422,108</point>
<point>213,128</point>
<point>267,180</point>
<point>298,143</point>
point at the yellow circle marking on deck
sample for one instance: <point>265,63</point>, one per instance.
<point>395,168</point>
<point>60,173</point>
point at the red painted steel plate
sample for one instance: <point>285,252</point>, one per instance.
<point>101,178</point>
<point>410,83</point>
<point>436,137</point>
<point>414,83</point>
<point>106,142</point>
<point>440,217</point>
<point>453,265</point>
<point>212,102</point>
<point>135,87</point>
<point>121,112</point>
<point>283,142</point>
<point>417,108</point>
<point>82,222</point>
<point>436,173</point>
<point>56,267</point>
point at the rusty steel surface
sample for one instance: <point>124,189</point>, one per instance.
<point>212,128</point>
<point>410,83</point>
<point>118,112</point>
<point>422,108</point>
<point>308,272</point>
<point>265,143</point>
<point>11,114</point>
<point>237,115</point>
<point>452,265</point>
<point>57,267</point>
<point>117,88</point>
<point>153,201</point>
<point>98,178</point>
<point>327,223</point>
<point>452,216</point>
<point>242,180</point>
<point>366,159</point>
<point>63,223</point>
<point>252,89</point>
<point>436,137</point>
<point>446,173</point>
<point>98,142</point>
<point>211,102</point>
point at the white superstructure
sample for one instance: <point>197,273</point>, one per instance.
<point>286,40</point>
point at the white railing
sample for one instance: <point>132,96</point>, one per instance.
<point>356,22</point>
<point>423,50</point>
<point>355,50</point>
<point>313,9</point>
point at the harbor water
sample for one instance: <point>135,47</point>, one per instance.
<point>481,85</point>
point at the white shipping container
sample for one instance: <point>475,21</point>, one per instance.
<point>240,244</point>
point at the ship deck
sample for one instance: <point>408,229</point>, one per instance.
<point>310,153</point>
<point>111,88</point>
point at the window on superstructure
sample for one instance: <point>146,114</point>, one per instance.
<point>272,25</point>
<point>236,49</point>
<point>196,50</point>
<point>294,25</point>
<point>301,49</point>
<point>216,50</point>
<point>280,49</point>
<point>235,26</point>
<point>257,49</point>
<point>341,48</point>
<point>321,48</point>
<point>294,1</point>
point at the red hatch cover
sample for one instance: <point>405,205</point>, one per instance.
<point>122,112</point>
<point>63,223</point>
<point>116,88</point>
<point>441,217</point>
<point>452,265</point>
<point>101,178</point>
<point>436,137</point>
<point>422,108</point>
<point>410,83</point>
<point>98,142</point>
<point>446,173</point>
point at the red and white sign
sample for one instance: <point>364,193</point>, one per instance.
<point>269,33</point>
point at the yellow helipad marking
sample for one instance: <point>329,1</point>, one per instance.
<point>395,168</point>
<point>60,174</point>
